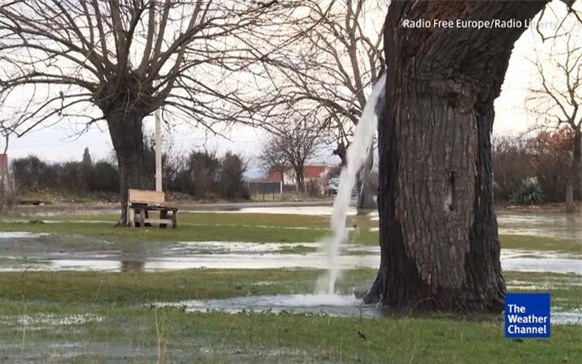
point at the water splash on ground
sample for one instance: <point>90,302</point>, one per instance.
<point>324,304</point>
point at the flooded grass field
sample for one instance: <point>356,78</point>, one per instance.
<point>239,287</point>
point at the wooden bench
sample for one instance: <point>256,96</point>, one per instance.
<point>141,202</point>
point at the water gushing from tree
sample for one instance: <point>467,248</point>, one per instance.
<point>356,157</point>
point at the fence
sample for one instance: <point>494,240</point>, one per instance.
<point>265,188</point>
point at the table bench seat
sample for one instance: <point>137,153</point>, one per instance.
<point>142,202</point>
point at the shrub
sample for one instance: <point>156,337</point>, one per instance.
<point>32,174</point>
<point>528,194</point>
<point>104,178</point>
<point>231,184</point>
<point>511,166</point>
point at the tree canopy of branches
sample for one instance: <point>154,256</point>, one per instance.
<point>511,166</point>
<point>338,57</point>
<point>291,145</point>
<point>543,160</point>
<point>119,60</point>
<point>550,156</point>
<point>557,92</point>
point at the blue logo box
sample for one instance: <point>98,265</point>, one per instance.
<point>527,315</point>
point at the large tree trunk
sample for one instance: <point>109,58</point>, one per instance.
<point>128,141</point>
<point>575,177</point>
<point>438,230</point>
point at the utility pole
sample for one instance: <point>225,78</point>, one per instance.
<point>158,137</point>
<point>158,130</point>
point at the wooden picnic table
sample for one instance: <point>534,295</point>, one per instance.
<point>142,202</point>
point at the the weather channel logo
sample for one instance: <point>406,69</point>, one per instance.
<point>527,315</point>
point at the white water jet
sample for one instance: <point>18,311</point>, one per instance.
<point>356,157</point>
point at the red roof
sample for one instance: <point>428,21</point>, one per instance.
<point>274,176</point>
<point>308,172</point>
<point>314,171</point>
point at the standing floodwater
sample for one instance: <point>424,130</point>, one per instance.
<point>356,156</point>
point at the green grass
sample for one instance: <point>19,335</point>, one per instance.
<point>566,289</point>
<point>95,288</point>
<point>525,242</point>
<point>192,227</point>
<point>149,334</point>
<point>132,331</point>
<point>285,220</point>
<point>207,232</point>
<point>210,218</point>
<point>246,227</point>
<point>134,288</point>
<point>540,243</point>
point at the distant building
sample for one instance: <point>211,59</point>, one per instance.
<point>315,176</point>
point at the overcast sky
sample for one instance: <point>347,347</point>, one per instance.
<point>62,142</point>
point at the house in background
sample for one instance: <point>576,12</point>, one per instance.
<point>315,175</point>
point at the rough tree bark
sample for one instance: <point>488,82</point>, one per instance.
<point>124,114</point>
<point>438,230</point>
<point>127,138</point>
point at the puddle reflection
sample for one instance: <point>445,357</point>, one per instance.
<point>132,266</point>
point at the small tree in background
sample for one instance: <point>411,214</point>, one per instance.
<point>87,157</point>
<point>274,160</point>
<point>204,170</point>
<point>32,174</point>
<point>550,157</point>
<point>73,176</point>
<point>292,143</point>
<point>556,95</point>
<point>231,185</point>
<point>87,170</point>
<point>511,166</point>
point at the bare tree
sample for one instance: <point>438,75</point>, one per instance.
<point>338,57</point>
<point>119,60</point>
<point>556,94</point>
<point>274,159</point>
<point>511,165</point>
<point>550,157</point>
<point>292,143</point>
